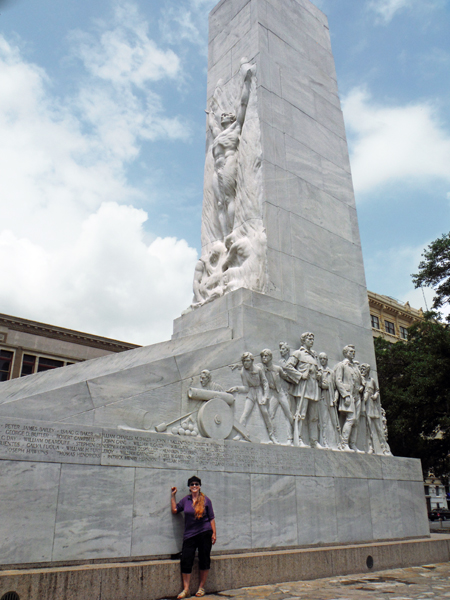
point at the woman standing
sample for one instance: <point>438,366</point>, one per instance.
<point>199,532</point>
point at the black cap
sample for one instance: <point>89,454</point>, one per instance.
<point>194,479</point>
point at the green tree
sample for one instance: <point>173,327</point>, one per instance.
<point>414,379</point>
<point>434,271</point>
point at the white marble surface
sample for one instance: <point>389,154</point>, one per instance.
<point>155,530</point>
<point>316,510</point>
<point>347,464</point>
<point>230,494</point>
<point>94,514</point>
<point>273,502</point>
<point>398,467</point>
<point>28,497</point>
<point>60,403</point>
<point>353,510</point>
<point>413,509</point>
<point>386,506</point>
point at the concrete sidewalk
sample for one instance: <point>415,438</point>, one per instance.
<point>413,583</point>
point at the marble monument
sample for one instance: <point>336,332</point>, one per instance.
<point>89,452</point>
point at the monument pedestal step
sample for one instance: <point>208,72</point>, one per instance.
<point>156,579</point>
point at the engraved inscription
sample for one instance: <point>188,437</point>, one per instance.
<point>49,441</point>
<point>159,451</point>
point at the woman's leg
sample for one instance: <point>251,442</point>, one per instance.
<point>186,577</point>
<point>187,560</point>
<point>204,556</point>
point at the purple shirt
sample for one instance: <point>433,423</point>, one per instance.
<point>193,526</point>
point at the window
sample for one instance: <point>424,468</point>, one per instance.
<point>36,364</point>
<point>403,333</point>
<point>6,358</point>
<point>427,490</point>
<point>437,491</point>
<point>28,363</point>
<point>375,322</point>
<point>390,327</point>
<point>45,364</point>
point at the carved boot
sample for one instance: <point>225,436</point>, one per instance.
<point>273,438</point>
<point>301,443</point>
<point>346,430</point>
<point>316,444</point>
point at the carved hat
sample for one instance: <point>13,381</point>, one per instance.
<point>194,479</point>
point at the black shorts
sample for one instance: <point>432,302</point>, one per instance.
<point>202,541</point>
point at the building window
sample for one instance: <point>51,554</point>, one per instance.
<point>375,322</point>
<point>427,490</point>
<point>6,358</point>
<point>437,491</point>
<point>36,364</point>
<point>390,327</point>
<point>403,333</point>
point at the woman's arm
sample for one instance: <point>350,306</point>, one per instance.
<point>213,527</point>
<point>173,502</point>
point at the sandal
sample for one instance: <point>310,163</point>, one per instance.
<point>183,594</point>
<point>201,592</point>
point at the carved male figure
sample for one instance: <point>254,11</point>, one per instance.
<point>255,385</point>
<point>303,369</point>
<point>371,400</point>
<point>349,386</point>
<point>277,394</point>
<point>207,383</point>
<point>226,136</point>
<point>326,385</point>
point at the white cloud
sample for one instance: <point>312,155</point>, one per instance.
<point>392,143</point>
<point>387,9</point>
<point>124,54</point>
<point>108,281</point>
<point>73,246</point>
<point>187,22</point>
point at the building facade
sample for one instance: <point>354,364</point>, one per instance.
<point>28,347</point>
<point>390,318</point>
<point>436,493</point>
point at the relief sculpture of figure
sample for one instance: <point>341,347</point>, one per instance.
<point>208,274</point>
<point>303,368</point>
<point>255,385</point>
<point>277,393</point>
<point>207,383</point>
<point>371,400</point>
<point>227,136</point>
<point>349,386</point>
<point>288,384</point>
<point>328,399</point>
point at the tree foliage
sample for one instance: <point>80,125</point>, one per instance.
<point>414,379</point>
<point>434,271</point>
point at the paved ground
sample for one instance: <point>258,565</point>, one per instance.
<point>414,583</point>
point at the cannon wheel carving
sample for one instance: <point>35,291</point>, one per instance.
<point>215,419</point>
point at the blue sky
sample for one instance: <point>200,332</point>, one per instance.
<point>102,150</point>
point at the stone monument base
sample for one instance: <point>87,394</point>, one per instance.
<point>152,580</point>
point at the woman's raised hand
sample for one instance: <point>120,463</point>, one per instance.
<point>174,491</point>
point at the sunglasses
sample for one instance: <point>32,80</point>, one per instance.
<point>194,485</point>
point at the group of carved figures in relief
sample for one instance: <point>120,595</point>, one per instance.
<point>233,239</point>
<point>329,405</point>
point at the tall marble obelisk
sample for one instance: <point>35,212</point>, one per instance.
<point>295,224</point>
